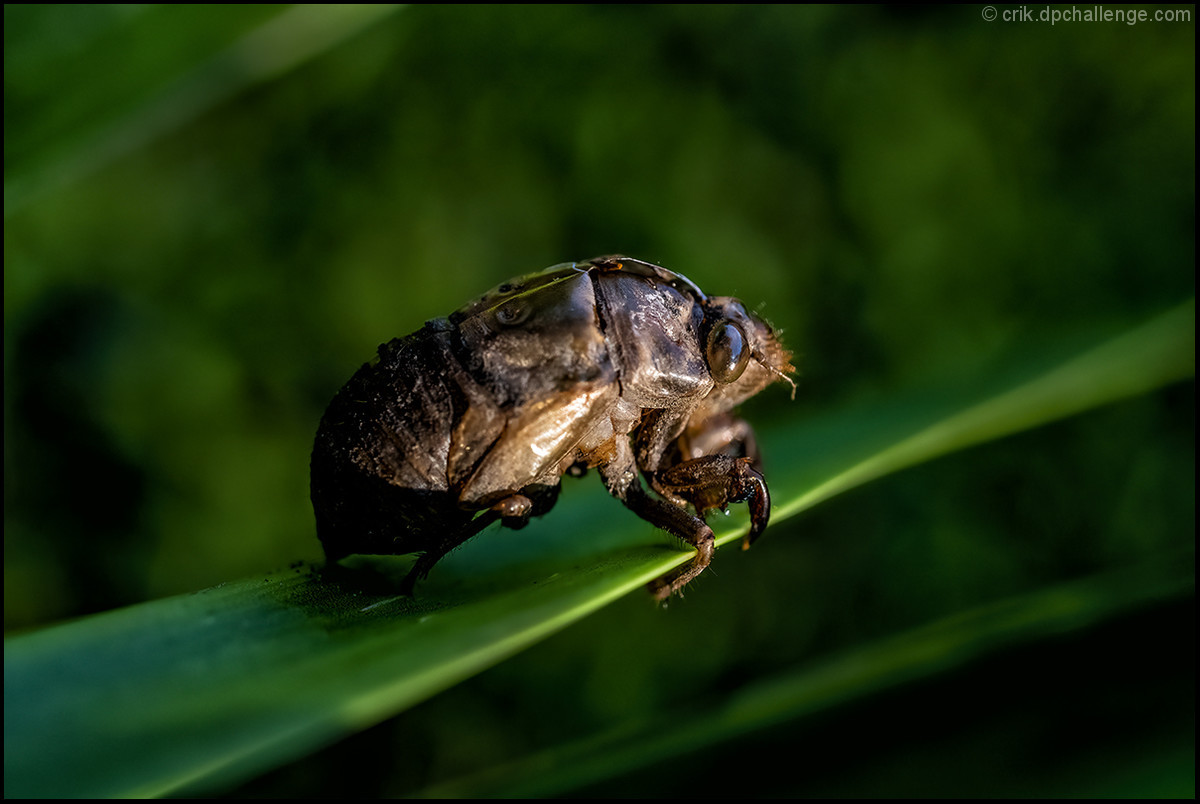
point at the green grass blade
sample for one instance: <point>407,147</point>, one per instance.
<point>1155,354</point>
<point>935,648</point>
<point>231,681</point>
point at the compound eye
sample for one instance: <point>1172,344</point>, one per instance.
<point>727,352</point>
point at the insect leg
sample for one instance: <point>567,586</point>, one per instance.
<point>714,481</point>
<point>621,478</point>
<point>434,554</point>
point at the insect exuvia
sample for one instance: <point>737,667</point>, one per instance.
<point>612,363</point>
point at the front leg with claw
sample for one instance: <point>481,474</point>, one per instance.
<point>715,481</point>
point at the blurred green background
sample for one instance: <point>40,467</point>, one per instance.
<point>213,214</point>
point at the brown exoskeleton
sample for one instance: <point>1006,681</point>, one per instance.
<point>612,363</point>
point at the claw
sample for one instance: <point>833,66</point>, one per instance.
<point>748,485</point>
<point>714,481</point>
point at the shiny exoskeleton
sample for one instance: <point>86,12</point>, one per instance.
<point>613,363</point>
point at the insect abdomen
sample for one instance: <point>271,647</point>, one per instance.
<point>381,465</point>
